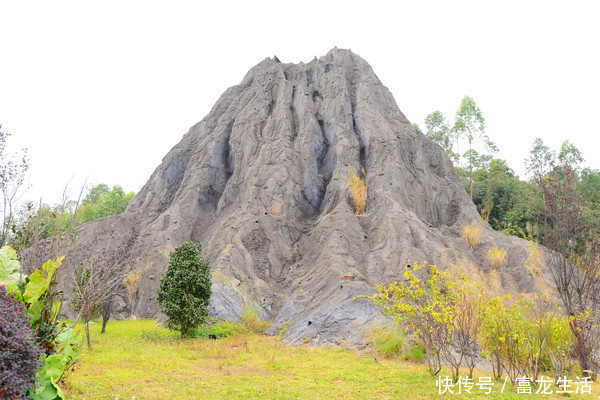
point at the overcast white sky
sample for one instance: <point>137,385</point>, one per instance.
<point>103,90</point>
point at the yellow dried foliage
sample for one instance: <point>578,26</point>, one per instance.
<point>468,267</point>
<point>276,208</point>
<point>495,283</point>
<point>225,250</point>
<point>536,259</point>
<point>219,276</point>
<point>132,283</point>
<point>358,190</point>
<point>472,234</point>
<point>496,256</point>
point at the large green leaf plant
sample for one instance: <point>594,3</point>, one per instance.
<point>42,302</point>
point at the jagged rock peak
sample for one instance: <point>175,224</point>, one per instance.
<point>261,182</point>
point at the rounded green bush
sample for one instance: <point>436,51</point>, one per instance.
<point>185,289</point>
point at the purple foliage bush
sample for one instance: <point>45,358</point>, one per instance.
<point>19,352</point>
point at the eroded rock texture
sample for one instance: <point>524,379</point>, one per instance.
<point>260,181</point>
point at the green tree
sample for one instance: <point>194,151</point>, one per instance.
<point>541,158</point>
<point>569,154</point>
<point>96,193</point>
<point>509,204</point>
<point>589,187</point>
<point>185,289</point>
<point>521,217</point>
<point>34,223</point>
<point>470,125</point>
<point>102,201</point>
<point>440,132</point>
<point>496,190</point>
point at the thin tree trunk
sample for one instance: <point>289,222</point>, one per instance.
<point>104,322</point>
<point>76,319</point>
<point>471,169</point>
<point>471,179</point>
<point>87,333</point>
<point>106,309</point>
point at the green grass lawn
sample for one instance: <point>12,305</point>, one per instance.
<point>135,359</point>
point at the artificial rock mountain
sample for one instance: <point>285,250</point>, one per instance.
<point>261,182</point>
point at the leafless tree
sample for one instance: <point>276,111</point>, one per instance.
<point>570,230</point>
<point>99,275</point>
<point>13,169</point>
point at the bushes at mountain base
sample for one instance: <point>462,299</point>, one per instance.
<point>446,312</point>
<point>217,329</point>
<point>19,352</point>
<point>185,289</point>
<point>526,337</point>
<point>429,308</point>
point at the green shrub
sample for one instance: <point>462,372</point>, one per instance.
<point>185,289</point>
<point>220,329</point>
<point>252,321</point>
<point>415,353</point>
<point>282,330</point>
<point>428,308</point>
<point>388,342</point>
<point>391,342</point>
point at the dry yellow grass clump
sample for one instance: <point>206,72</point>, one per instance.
<point>496,256</point>
<point>132,283</point>
<point>472,234</point>
<point>276,208</point>
<point>358,190</point>
<point>225,250</point>
<point>535,260</point>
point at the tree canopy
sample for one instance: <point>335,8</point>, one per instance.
<point>35,222</point>
<point>102,201</point>
<point>510,204</point>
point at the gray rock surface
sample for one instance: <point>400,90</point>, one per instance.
<point>261,182</point>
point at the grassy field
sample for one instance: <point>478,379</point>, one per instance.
<point>136,360</point>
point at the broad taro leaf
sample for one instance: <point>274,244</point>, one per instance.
<point>55,309</point>
<point>67,336</point>
<point>53,368</point>
<point>9,266</point>
<point>40,281</point>
<point>49,391</point>
<point>35,310</point>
